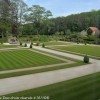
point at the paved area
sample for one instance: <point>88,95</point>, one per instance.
<point>20,83</point>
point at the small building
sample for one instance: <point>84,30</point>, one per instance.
<point>93,31</point>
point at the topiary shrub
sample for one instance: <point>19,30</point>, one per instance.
<point>86,59</point>
<point>37,44</point>
<point>77,42</point>
<point>30,46</point>
<point>20,43</point>
<point>25,45</point>
<point>43,45</point>
<point>85,43</point>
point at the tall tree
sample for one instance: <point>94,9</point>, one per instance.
<point>38,16</point>
<point>4,16</point>
<point>18,8</point>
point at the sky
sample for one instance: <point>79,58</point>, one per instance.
<point>66,7</point>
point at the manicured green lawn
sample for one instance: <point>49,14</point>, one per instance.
<point>56,43</point>
<point>77,63</point>
<point>24,58</point>
<point>84,49</point>
<point>8,46</point>
<point>83,88</point>
<point>20,73</point>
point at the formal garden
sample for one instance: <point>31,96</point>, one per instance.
<point>48,58</point>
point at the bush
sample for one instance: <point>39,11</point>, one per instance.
<point>77,42</point>
<point>86,59</point>
<point>85,43</point>
<point>43,45</point>
<point>37,44</point>
<point>25,45</point>
<point>30,46</point>
<point>20,43</point>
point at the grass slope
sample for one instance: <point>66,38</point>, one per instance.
<point>83,88</point>
<point>24,58</point>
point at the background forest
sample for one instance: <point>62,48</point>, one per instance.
<point>19,20</point>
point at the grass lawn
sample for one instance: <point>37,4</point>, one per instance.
<point>56,43</point>
<point>83,49</point>
<point>8,46</point>
<point>13,74</point>
<point>83,88</point>
<point>24,58</point>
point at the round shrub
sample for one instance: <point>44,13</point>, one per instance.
<point>85,43</point>
<point>43,45</point>
<point>86,59</point>
<point>30,46</point>
<point>77,42</point>
<point>37,44</point>
<point>20,43</point>
<point>25,45</point>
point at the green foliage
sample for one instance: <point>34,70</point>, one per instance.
<point>37,44</point>
<point>43,45</point>
<point>77,22</point>
<point>38,16</point>
<point>44,38</point>
<point>20,43</point>
<point>89,31</point>
<point>86,59</point>
<point>25,45</point>
<point>85,43</point>
<point>30,45</point>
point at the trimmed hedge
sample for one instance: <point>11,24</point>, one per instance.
<point>86,59</point>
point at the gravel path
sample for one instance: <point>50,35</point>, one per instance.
<point>20,83</point>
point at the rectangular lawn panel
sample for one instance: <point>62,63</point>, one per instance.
<point>83,88</point>
<point>83,49</point>
<point>56,43</point>
<point>24,58</point>
<point>8,46</point>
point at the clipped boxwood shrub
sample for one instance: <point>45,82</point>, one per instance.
<point>43,45</point>
<point>25,45</point>
<point>20,43</point>
<point>85,43</point>
<point>30,46</point>
<point>86,59</point>
<point>37,44</point>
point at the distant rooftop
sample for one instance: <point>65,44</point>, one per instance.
<point>94,29</point>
